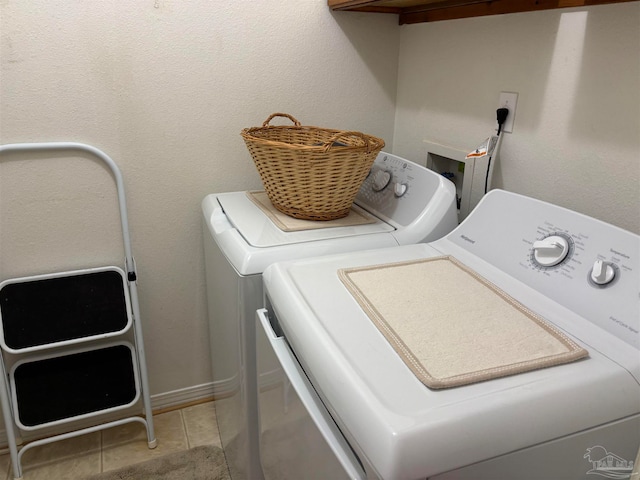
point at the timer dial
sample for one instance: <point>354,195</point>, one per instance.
<point>551,250</point>
<point>380,180</point>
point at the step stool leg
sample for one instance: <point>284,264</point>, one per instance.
<point>8,422</point>
<point>142,365</point>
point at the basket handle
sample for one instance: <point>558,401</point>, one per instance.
<point>286,115</point>
<point>330,143</point>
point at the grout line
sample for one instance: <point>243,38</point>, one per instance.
<point>185,429</point>
<point>101,445</point>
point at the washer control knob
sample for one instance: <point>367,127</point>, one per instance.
<point>602,272</point>
<point>550,251</point>
<point>380,180</point>
<point>399,189</point>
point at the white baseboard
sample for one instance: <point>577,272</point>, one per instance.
<point>160,401</point>
<point>183,396</point>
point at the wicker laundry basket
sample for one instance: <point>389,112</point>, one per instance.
<point>309,172</point>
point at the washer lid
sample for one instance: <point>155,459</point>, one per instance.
<point>403,428</point>
<point>259,231</point>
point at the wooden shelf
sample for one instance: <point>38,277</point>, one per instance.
<point>418,11</point>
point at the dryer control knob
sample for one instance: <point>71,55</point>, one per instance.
<point>399,189</point>
<point>550,251</point>
<point>381,180</point>
<point>602,272</point>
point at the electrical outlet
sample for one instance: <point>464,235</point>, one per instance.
<point>508,100</point>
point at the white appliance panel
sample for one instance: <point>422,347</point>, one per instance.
<point>410,188</point>
<point>298,437</point>
<point>399,428</point>
<point>258,231</point>
<point>613,307</point>
<point>240,242</point>
<point>248,259</point>
<point>565,457</point>
<point>391,414</point>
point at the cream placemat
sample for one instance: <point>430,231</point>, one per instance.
<point>451,326</point>
<point>290,224</point>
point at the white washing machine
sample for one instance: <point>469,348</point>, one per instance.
<point>412,362</point>
<point>399,203</point>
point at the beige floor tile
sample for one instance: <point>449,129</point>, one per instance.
<point>129,432</point>
<point>201,425</point>
<point>62,450</point>
<point>81,466</point>
<point>127,444</point>
<point>5,466</point>
<point>64,460</point>
<point>117,447</point>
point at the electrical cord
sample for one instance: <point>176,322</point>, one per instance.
<point>501,117</point>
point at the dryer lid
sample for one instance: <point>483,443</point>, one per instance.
<point>259,231</point>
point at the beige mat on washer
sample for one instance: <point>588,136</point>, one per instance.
<point>451,326</point>
<point>290,224</point>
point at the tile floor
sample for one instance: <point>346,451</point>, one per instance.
<point>78,457</point>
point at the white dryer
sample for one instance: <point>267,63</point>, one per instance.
<point>519,285</point>
<point>399,203</point>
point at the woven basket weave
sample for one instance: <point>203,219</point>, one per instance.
<point>309,172</point>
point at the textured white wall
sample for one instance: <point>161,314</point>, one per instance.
<point>576,139</point>
<point>164,87</point>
